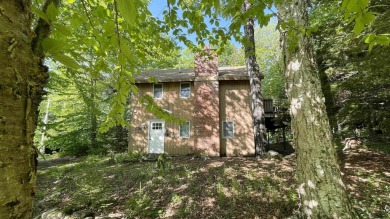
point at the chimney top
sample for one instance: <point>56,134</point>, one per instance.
<point>206,66</point>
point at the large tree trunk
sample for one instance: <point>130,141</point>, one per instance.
<point>21,87</point>
<point>321,189</point>
<point>23,77</point>
<point>255,77</point>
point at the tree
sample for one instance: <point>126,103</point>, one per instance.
<point>231,56</point>
<point>354,81</point>
<point>321,190</point>
<point>255,78</point>
<point>78,108</point>
<point>268,55</point>
<point>23,79</point>
<point>24,75</point>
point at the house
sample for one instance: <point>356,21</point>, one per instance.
<point>214,101</point>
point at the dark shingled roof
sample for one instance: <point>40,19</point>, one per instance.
<point>177,75</point>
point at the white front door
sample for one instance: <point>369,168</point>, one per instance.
<point>156,137</point>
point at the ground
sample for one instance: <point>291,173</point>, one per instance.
<point>121,186</point>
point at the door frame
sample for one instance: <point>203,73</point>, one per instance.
<point>163,135</point>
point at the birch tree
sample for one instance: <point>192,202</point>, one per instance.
<point>321,188</point>
<point>255,77</point>
<point>21,89</point>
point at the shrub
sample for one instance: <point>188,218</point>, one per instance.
<point>141,205</point>
<point>127,157</point>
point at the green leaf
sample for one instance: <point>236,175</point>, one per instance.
<point>100,12</point>
<point>126,50</point>
<point>114,41</point>
<point>134,89</point>
<point>75,22</point>
<point>382,40</point>
<point>368,17</point>
<point>128,11</point>
<point>52,12</point>
<point>52,46</point>
<point>123,101</point>
<point>66,60</point>
<point>370,38</point>
<point>39,13</point>
<point>362,3</point>
<point>122,59</point>
<point>109,27</point>
<point>346,15</point>
<point>291,23</point>
<point>65,30</point>
<point>370,46</point>
<point>186,14</point>
<point>216,3</point>
<point>344,4</point>
<point>359,26</point>
<point>352,6</point>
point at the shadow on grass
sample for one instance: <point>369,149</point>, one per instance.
<point>217,188</point>
<point>191,188</point>
<point>202,188</point>
<point>367,177</point>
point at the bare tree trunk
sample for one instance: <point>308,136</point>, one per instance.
<point>255,77</point>
<point>321,189</point>
<point>21,88</point>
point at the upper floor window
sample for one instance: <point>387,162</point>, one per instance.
<point>185,90</point>
<point>228,129</point>
<point>184,130</point>
<point>157,91</point>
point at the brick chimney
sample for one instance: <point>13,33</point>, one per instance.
<point>206,105</point>
<point>206,65</point>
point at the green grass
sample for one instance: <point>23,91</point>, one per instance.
<point>379,146</point>
<point>187,188</point>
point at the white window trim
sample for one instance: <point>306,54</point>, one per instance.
<point>223,133</point>
<point>162,91</point>
<point>180,90</point>
<point>189,130</point>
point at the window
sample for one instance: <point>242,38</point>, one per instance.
<point>185,90</point>
<point>157,91</point>
<point>156,126</point>
<point>184,130</point>
<point>228,129</point>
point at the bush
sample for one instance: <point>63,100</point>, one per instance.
<point>141,205</point>
<point>97,151</point>
<point>127,157</point>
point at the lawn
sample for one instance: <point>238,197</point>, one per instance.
<point>120,186</point>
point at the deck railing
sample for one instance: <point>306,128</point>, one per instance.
<point>269,106</point>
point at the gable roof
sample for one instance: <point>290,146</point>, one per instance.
<point>178,75</point>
